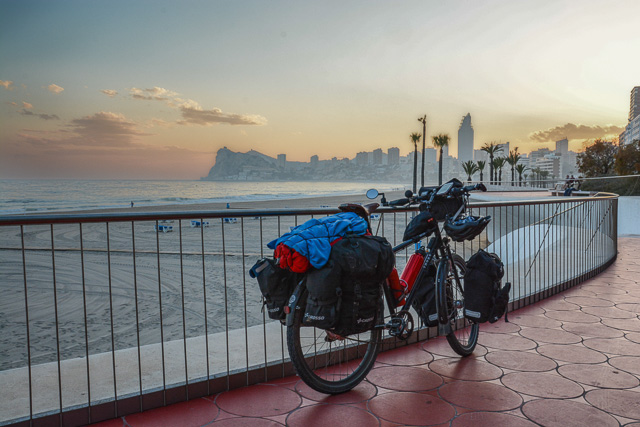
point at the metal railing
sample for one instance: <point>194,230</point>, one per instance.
<point>106,315</point>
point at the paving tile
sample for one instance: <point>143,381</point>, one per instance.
<point>633,307</point>
<point>441,347</point>
<point>575,353</point>
<point>331,415</point>
<point>550,336</point>
<point>361,393</point>
<point>629,364</point>
<point>633,336</point>
<point>601,375</point>
<point>613,346</point>
<point>537,384</point>
<point>629,325</point>
<point>405,356</point>
<point>566,413</point>
<point>593,330</point>
<point>404,378</point>
<point>417,409</point>
<point>471,369</point>
<point>480,396</point>
<point>506,342</point>
<point>490,419</point>
<point>573,316</point>
<point>245,422</point>
<point>534,321</point>
<point>624,403</point>
<point>259,401</point>
<point>521,361</point>
<point>500,327</point>
<point>195,412</point>
<point>609,312</point>
<point>560,305</point>
<point>589,301</point>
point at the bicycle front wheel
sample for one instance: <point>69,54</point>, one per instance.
<point>464,333</point>
<point>329,363</point>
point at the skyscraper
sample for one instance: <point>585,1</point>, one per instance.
<point>634,109</point>
<point>465,139</point>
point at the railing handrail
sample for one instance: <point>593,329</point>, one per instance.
<point>75,218</point>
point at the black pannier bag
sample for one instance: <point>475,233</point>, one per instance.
<point>425,301</point>
<point>485,298</point>
<point>344,295</point>
<point>276,285</point>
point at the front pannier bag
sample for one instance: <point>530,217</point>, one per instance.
<point>344,295</point>
<point>276,285</point>
<point>485,297</point>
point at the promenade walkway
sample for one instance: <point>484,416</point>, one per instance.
<point>569,360</point>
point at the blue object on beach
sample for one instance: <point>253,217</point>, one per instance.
<point>313,238</point>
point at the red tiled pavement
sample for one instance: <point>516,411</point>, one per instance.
<point>570,360</point>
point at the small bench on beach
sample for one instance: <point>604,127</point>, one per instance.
<point>163,228</point>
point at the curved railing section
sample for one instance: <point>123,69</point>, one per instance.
<point>108,314</point>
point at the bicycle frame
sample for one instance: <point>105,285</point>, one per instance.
<point>437,249</point>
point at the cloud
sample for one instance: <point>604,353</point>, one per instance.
<point>153,94</point>
<point>199,116</point>
<point>106,128</point>
<point>53,88</point>
<point>26,105</point>
<point>572,131</point>
<point>26,112</point>
<point>110,93</point>
<point>7,84</point>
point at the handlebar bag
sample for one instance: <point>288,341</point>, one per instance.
<point>485,297</point>
<point>276,285</point>
<point>420,223</point>
<point>344,295</point>
<point>445,205</point>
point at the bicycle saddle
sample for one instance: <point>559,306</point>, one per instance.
<point>361,210</point>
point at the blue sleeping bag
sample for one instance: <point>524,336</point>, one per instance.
<point>313,238</point>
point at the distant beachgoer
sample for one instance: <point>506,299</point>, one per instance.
<point>131,204</point>
<point>228,206</point>
<point>567,182</point>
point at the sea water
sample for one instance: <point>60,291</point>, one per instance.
<point>26,196</point>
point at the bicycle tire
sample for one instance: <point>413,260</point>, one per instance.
<point>331,367</point>
<point>464,333</point>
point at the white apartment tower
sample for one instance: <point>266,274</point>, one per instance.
<point>465,139</point>
<point>632,131</point>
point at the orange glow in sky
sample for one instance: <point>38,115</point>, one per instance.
<point>152,89</point>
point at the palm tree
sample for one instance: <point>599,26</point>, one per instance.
<point>520,169</point>
<point>481,165</point>
<point>423,120</point>
<point>544,175</point>
<point>415,137</point>
<point>441,141</point>
<point>513,158</point>
<point>491,148</point>
<point>498,164</point>
<point>470,168</point>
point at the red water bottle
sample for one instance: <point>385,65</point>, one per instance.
<point>410,273</point>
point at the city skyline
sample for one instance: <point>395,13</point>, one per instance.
<point>146,90</point>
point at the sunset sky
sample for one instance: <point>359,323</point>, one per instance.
<point>152,89</point>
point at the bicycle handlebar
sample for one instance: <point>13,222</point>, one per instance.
<point>431,193</point>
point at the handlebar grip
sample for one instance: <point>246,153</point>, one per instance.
<point>399,202</point>
<point>481,187</point>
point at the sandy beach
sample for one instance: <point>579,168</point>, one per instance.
<point>163,285</point>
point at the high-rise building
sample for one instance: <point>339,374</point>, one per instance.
<point>362,158</point>
<point>634,109</point>
<point>632,131</point>
<point>393,156</point>
<point>465,139</point>
<point>562,146</point>
<point>377,156</point>
<point>282,160</point>
<point>314,161</point>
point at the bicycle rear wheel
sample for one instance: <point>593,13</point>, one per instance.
<point>331,364</point>
<point>464,333</point>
